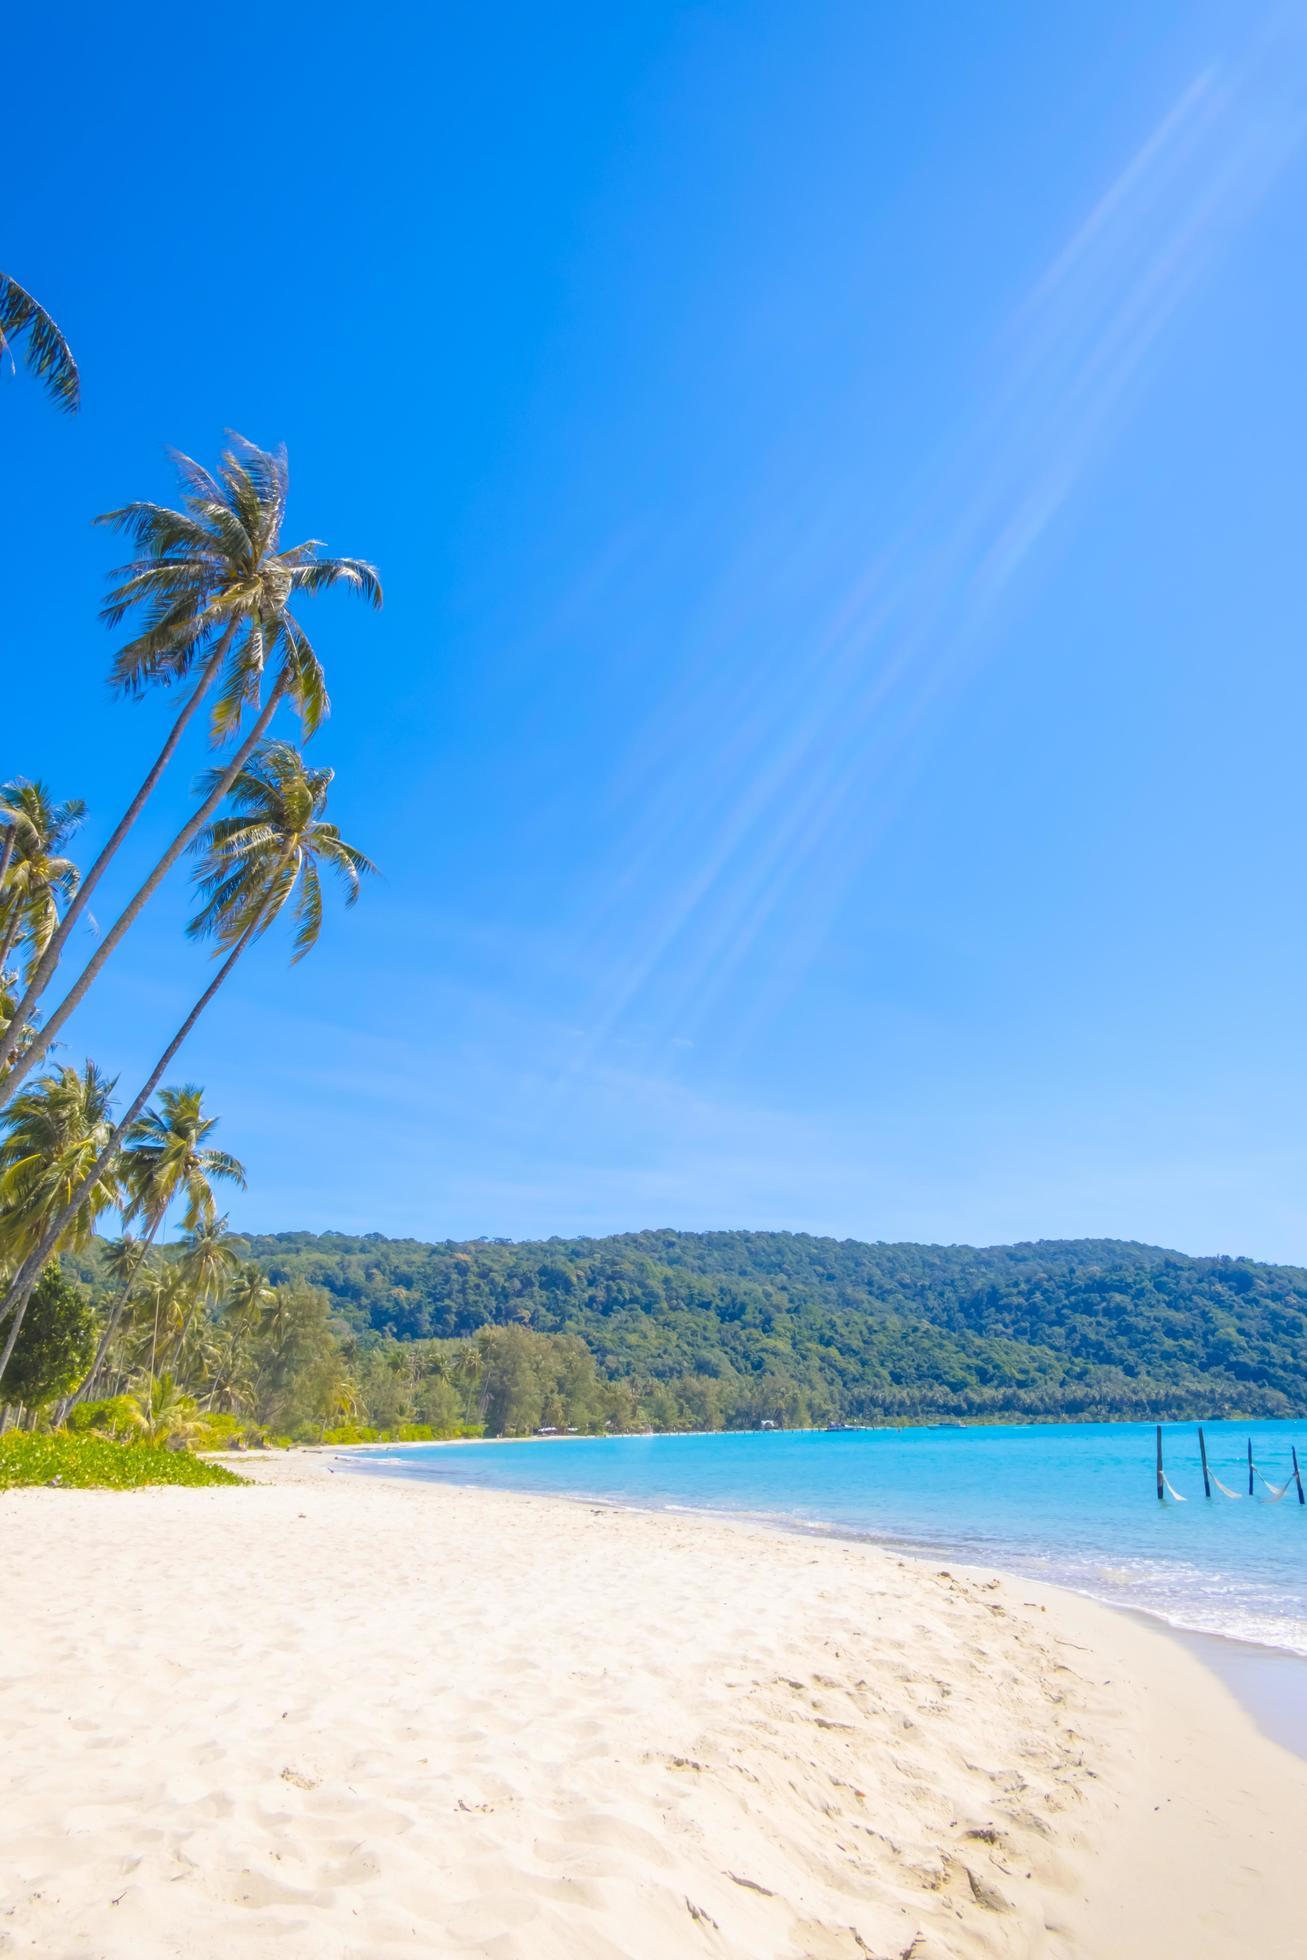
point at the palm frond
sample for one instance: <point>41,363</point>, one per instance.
<point>323,573</point>
<point>308,911</point>
<point>46,354</point>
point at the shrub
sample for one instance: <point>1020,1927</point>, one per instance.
<point>55,1344</point>
<point>95,1462</point>
<point>113,1415</point>
<point>224,1432</point>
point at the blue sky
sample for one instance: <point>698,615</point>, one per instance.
<point>834,739</point>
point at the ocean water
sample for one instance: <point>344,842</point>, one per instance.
<point>1072,1503</point>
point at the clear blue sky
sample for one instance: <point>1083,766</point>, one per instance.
<point>835,737</point>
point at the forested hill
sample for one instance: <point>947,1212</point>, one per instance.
<point>733,1326</point>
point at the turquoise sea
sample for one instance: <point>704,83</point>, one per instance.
<point>1072,1503</point>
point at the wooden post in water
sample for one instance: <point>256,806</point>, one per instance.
<point>1161,1482</point>
<point>1202,1451</point>
<point>1297,1475</point>
<point>1250,1466</point>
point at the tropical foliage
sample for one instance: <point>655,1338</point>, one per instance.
<point>83,1462</point>
<point>728,1328</point>
<point>25,324</point>
<point>165,1347</point>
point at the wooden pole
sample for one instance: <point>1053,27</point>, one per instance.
<point>1297,1475</point>
<point>1161,1483</point>
<point>1250,1467</point>
<point>1202,1451</point>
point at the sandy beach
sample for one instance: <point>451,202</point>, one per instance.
<point>334,1715</point>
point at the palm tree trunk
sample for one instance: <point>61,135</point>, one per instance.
<point>6,859</point>
<point>22,1065</point>
<point>11,928</point>
<point>83,1392</point>
<point>50,958</point>
<point>23,1284</point>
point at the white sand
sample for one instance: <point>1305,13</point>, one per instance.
<point>339,1716</point>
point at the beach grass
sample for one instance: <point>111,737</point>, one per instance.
<point>96,1463</point>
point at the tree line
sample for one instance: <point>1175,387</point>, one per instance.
<point>731,1329</point>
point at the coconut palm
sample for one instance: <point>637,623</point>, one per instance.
<point>160,1308</point>
<point>264,856</point>
<point>166,1410</point>
<point>8,1004</point>
<point>243,1318</point>
<point>165,1160</point>
<point>210,1256</point>
<point>188,1286</point>
<point>212,589</point>
<point>132,1271</point>
<point>46,353</point>
<point>230,1380</point>
<point>34,874</point>
<point>341,1404</point>
<point>248,1298</point>
<point>55,1135</point>
<point>257,863</point>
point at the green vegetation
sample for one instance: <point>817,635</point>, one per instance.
<point>93,1462</point>
<point>56,1343</point>
<point>671,1330</point>
<point>46,354</point>
<point>196,1345</point>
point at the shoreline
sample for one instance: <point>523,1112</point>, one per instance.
<point>350,1716</point>
<point>1269,1682</point>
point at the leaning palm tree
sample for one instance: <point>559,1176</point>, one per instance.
<point>55,1134</point>
<point>165,1160</point>
<point>212,590</point>
<point>8,1005</point>
<point>46,353</point>
<point>35,876</point>
<point>258,862</point>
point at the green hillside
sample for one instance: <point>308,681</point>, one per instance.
<point>730,1327</point>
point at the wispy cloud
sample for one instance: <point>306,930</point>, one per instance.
<point>769,772</point>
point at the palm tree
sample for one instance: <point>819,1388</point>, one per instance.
<point>249,1298</point>
<point>8,1004</point>
<point>340,1402</point>
<point>50,1163</point>
<point>244,1310</point>
<point>213,589</point>
<point>166,1304</point>
<point>166,1410</point>
<point>266,854</point>
<point>129,1266</point>
<point>165,1158</point>
<point>55,1178</point>
<point>230,1382</point>
<point>257,863</point>
<point>210,1255</point>
<point>46,354</point>
<point>34,875</point>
